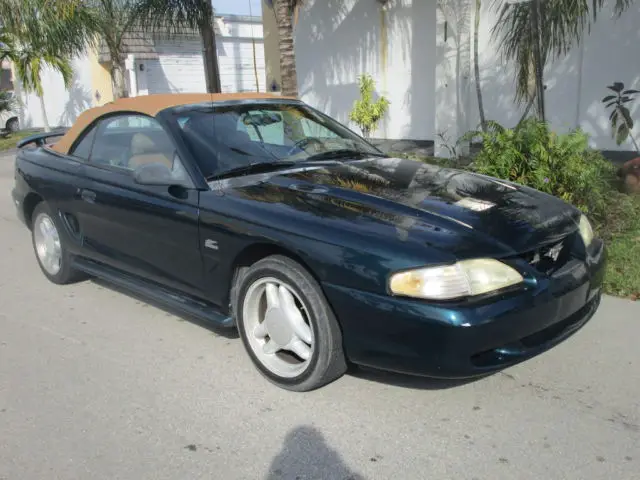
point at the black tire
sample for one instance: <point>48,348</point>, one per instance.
<point>66,274</point>
<point>327,362</point>
<point>13,125</point>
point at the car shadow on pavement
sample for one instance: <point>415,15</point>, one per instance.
<point>410,381</point>
<point>306,455</point>
<point>231,333</point>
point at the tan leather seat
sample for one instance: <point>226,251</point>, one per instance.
<point>145,151</point>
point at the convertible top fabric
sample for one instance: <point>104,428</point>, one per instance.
<point>149,105</point>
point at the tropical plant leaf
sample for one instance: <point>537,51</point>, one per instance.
<point>608,98</point>
<point>616,87</point>
<point>610,104</point>
<point>626,115</point>
<point>630,92</point>
<point>621,134</point>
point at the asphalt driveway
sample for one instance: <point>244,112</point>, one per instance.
<point>95,384</point>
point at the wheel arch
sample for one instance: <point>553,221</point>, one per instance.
<point>254,253</point>
<point>11,119</point>
<point>29,204</point>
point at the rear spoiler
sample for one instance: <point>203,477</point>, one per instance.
<point>39,139</point>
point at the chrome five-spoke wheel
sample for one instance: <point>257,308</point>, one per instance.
<point>277,327</point>
<point>50,247</point>
<point>47,244</point>
<point>286,324</point>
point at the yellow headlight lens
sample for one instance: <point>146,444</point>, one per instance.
<point>586,231</point>
<point>462,279</point>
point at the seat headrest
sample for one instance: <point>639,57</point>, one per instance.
<point>141,144</point>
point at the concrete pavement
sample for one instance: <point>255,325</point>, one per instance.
<point>95,384</point>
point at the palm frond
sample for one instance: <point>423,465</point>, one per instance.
<point>63,26</point>
<point>7,48</point>
<point>29,64</point>
<point>622,6</point>
<point>61,65</point>
<point>174,16</point>
<point>561,26</point>
<point>111,20</point>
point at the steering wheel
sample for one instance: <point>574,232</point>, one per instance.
<point>302,143</point>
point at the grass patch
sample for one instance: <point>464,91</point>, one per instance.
<point>623,268</point>
<point>8,141</point>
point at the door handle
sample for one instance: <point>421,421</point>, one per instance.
<point>88,196</point>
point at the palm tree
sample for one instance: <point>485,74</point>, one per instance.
<point>43,33</point>
<point>177,16</point>
<point>531,32</point>
<point>285,10</point>
<point>110,21</point>
<point>476,65</point>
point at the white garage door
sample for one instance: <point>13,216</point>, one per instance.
<point>179,67</point>
<point>235,58</point>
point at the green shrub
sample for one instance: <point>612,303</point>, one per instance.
<point>366,112</point>
<point>562,165</point>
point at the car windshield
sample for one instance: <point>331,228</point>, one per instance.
<point>236,138</point>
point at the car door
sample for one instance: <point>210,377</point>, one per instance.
<point>146,230</point>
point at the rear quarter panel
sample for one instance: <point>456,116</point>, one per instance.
<point>53,178</point>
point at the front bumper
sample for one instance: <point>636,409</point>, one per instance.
<point>462,340</point>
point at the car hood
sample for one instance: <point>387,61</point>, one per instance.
<point>459,212</point>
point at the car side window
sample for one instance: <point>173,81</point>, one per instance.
<point>83,148</point>
<point>131,141</point>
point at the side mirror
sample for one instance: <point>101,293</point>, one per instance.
<point>157,174</point>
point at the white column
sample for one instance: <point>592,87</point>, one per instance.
<point>130,66</point>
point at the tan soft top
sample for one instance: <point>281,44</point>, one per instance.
<point>149,105</point>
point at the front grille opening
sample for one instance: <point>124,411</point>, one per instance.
<point>550,258</point>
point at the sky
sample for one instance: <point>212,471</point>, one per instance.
<point>238,7</point>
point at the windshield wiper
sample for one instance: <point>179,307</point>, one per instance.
<point>254,167</point>
<point>341,153</point>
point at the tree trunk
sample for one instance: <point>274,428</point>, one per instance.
<point>255,64</point>
<point>117,79</point>
<point>45,120</point>
<point>537,58</point>
<point>211,68</point>
<point>476,64</point>
<point>255,60</point>
<point>526,110</point>
<point>283,10</point>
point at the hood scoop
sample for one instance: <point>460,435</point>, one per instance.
<point>308,188</point>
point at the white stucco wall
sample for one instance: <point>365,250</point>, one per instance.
<point>575,83</point>
<point>427,71</point>
<point>338,41</point>
<point>453,73</point>
<point>63,106</point>
<point>611,53</point>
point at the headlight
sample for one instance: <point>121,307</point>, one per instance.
<point>586,232</point>
<point>462,279</point>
